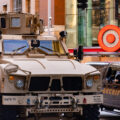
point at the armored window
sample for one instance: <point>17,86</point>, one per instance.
<point>15,22</point>
<point>3,23</point>
<point>9,46</point>
<point>51,47</point>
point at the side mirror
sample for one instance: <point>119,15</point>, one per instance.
<point>63,34</point>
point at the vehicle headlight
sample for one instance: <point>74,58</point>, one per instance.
<point>89,83</point>
<point>96,78</point>
<point>19,84</point>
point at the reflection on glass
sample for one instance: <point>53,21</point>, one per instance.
<point>51,47</point>
<point>11,45</point>
<point>46,46</point>
<point>15,22</point>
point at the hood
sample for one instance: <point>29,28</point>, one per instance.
<point>52,66</point>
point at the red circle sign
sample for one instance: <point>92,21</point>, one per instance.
<point>109,38</point>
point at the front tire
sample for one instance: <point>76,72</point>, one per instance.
<point>7,112</point>
<point>91,112</point>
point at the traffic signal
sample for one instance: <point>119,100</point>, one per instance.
<point>80,52</point>
<point>82,4</point>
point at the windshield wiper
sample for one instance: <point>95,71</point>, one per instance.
<point>16,50</point>
<point>47,48</point>
<point>57,53</point>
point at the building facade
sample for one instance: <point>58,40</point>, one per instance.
<point>5,6</point>
<point>37,7</point>
<point>24,6</point>
<point>104,12</point>
<point>57,11</point>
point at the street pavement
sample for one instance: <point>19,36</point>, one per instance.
<point>103,116</point>
<point>109,116</point>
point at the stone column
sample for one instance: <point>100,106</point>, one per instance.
<point>89,23</point>
<point>112,12</point>
<point>71,23</point>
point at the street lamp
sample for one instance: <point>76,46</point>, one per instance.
<point>49,16</point>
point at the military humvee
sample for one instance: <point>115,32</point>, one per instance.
<point>37,79</point>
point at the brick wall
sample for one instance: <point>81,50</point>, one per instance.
<point>59,12</point>
<point>43,11</point>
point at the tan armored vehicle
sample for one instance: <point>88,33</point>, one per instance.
<point>38,79</point>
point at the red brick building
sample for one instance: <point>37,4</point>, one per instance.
<point>57,11</point>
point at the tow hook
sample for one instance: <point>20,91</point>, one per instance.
<point>61,115</point>
<point>41,101</point>
<point>74,103</point>
<point>37,103</point>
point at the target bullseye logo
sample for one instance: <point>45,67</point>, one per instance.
<point>109,38</point>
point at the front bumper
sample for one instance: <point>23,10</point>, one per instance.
<point>52,100</point>
<point>53,110</point>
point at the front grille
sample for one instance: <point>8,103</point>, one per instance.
<point>39,83</point>
<point>55,86</point>
<point>67,83</point>
<point>55,98</point>
<point>72,83</point>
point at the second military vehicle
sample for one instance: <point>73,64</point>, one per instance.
<point>111,84</point>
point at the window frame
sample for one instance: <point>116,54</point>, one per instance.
<point>11,22</point>
<point>17,5</point>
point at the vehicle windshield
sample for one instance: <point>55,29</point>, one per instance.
<point>11,46</point>
<point>20,46</point>
<point>51,47</point>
